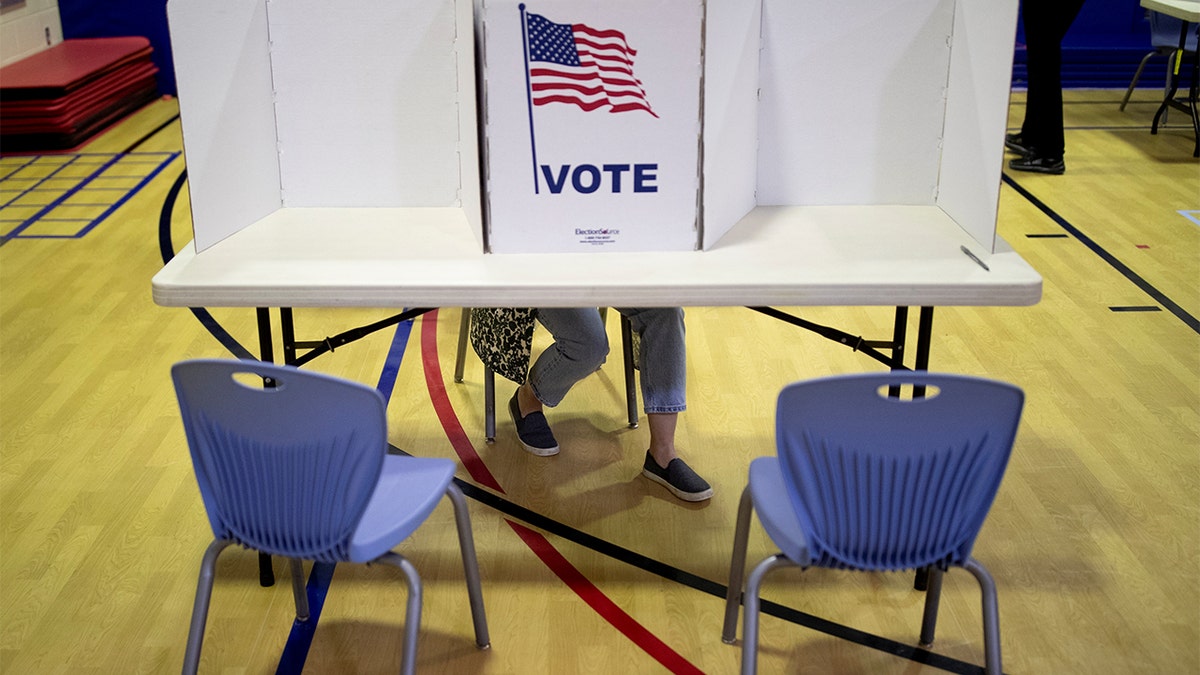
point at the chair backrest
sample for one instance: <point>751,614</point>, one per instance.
<point>888,483</point>
<point>286,469</point>
<point>1164,32</point>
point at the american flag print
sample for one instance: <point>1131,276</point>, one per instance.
<point>583,66</point>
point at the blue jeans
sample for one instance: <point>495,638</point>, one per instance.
<point>581,345</point>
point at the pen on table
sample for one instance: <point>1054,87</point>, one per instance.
<point>972,256</point>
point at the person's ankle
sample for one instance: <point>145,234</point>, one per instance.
<point>527,401</point>
<point>663,456</point>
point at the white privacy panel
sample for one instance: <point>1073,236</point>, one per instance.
<point>366,97</point>
<point>299,104</point>
<point>223,68</point>
<point>852,100</point>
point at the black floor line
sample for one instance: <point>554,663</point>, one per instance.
<point>693,581</point>
<point>149,135</point>
<point>1158,296</point>
<point>167,250</point>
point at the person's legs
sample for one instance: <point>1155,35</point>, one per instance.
<point>663,360</point>
<point>1042,128</point>
<point>1046,23</point>
<point>663,364</point>
<point>580,345</point>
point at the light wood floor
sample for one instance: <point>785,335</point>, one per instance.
<point>1094,539</point>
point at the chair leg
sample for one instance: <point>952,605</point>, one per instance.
<point>298,591</point>
<point>750,627</point>
<point>266,573</point>
<point>466,542</point>
<point>208,565</point>
<point>489,405</point>
<point>630,377</point>
<point>991,616</point>
<point>1137,74</point>
<point>921,579</point>
<point>933,597</point>
<point>464,329</point>
<point>412,614</point>
<point>737,567</point>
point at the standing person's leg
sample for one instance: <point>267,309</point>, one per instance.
<point>663,364</point>
<point>1046,23</point>
<point>1043,103</point>
<point>579,348</point>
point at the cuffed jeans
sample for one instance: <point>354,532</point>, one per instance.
<point>581,345</point>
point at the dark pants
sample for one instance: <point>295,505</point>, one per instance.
<point>1045,22</point>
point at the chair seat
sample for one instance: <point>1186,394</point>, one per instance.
<point>774,508</point>
<point>408,490</point>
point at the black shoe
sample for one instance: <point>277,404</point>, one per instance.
<point>679,478</point>
<point>533,430</point>
<point>1038,164</point>
<point>1016,144</point>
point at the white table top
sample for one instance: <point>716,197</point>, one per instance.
<point>776,256</point>
<point>1188,10</point>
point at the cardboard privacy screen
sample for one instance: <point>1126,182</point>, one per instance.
<point>592,127</point>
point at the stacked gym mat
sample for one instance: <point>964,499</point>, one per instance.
<point>60,97</point>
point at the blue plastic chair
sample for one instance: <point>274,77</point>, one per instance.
<point>1164,38</point>
<point>299,468</point>
<point>864,480</point>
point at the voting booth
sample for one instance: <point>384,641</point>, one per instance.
<point>302,109</point>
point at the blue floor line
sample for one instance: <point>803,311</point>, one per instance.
<point>128,195</point>
<point>295,652</point>
<point>78,184</point>
<point>391,365</point>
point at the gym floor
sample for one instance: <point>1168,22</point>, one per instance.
<point>1094,539</point>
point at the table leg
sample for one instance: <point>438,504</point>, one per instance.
<point>924,338</point>
<point>1193,90</point>
<point>899,336</point>
<point>266,574</point>
<point>1174,79</point>
<point>287,328</point>
<point>1169,99</point>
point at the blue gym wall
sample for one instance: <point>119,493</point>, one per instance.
<point>1101,50</point>
<point>1103,47</point>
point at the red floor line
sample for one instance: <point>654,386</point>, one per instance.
<point>537,542</point>
<point>445,411</point>
<point>595,598</point>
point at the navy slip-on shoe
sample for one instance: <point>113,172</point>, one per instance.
<point>533,430</point>
<point>679,478</point>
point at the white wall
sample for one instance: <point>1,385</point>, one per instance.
<point>27,27</point>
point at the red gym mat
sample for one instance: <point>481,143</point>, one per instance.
<point>58,98</point>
